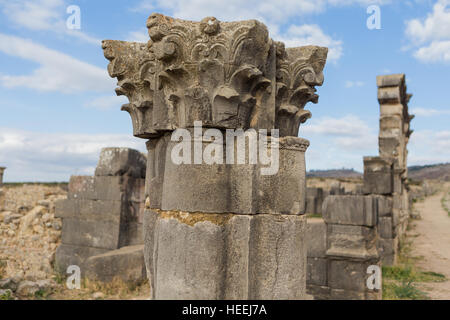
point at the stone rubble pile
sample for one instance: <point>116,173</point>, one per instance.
<point>29,236</point>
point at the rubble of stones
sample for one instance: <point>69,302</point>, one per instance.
<point>29,236</point>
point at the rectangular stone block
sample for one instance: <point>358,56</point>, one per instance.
<point>354,242</point>
<point>263,256</point>
<point>377,176</point>
<point>349,275</point>
<point>80,187</point>
<point>67,255</point>
<point>106,188</point>
<point>131,234</point>
<point>318,292</point>
<point>389,95</point>
<point>389,146</point>
<point>317,271</point>
<point>316,235</point>
<point>385,227</point>
<point>391,80</point>
<point>350,210</point>
<point>90,210</point>
<point>121,161</point>
<point>277,260</point>
<point>385,205</point>
<point>391,122</point>
<point>100,234</point>
<point>126,264</point>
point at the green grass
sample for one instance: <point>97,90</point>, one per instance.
<point>400,281</point>
<point>6,296</point>
<point>42,294</point>
<point>402,291</point>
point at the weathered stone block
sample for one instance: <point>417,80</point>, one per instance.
<point>391,80</point>
<point>67,255</point>
<point>385,206</point>
<point>121,161</point>
<point>263,256</point>
<point>316,235</point>
<point>377,176</point>
<point>317,271</point>
<point>318,292</point>
<point>385,227</point>
<point>90,210</point>
<point>126,264</point>
<point>106,188</point>
<point>100,234</point>
<point>220,188</point>
<point>80,187</point>
<point>349,276</point>
<point>350,210</point>
<point>354,242</point>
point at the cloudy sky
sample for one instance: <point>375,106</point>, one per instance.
<point>58,108</point>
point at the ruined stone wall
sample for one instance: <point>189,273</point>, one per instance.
<point>386,175</point>
<point>104,213</point>
<point>220,230</point>
<point>341,248</point>
<point>315,196</point>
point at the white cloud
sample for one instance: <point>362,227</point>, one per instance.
<point>339,142</point>
<point>424,112</point>
<point>106,102</point>
<point>311,35</point>
<point>57,71</point>
<point>274,14</point>
<point>348,133</point>
<point>42,15</point>
<point>32,156</point>
<point>138,36</point>
<point>232,10</point>
<point>352,84</point>
<point>431,35</point>
<point>428,147</point>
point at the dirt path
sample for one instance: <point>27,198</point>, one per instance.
<point>433,242</point>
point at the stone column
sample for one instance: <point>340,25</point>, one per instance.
<point>352,237</point>
<point>386,175</point>
<point>221,229</point>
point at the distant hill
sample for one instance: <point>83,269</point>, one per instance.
<point>334,173</point>
<point>434,171</point>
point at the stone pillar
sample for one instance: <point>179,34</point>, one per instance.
<point>352,237</point>
<point>220,230</point>
<point>387,174</point>
<point>102,218</point>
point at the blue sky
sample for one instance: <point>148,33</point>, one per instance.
<point>58,107</point>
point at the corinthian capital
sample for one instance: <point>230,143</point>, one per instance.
<point>299,72</point>
<point>225,74</point>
